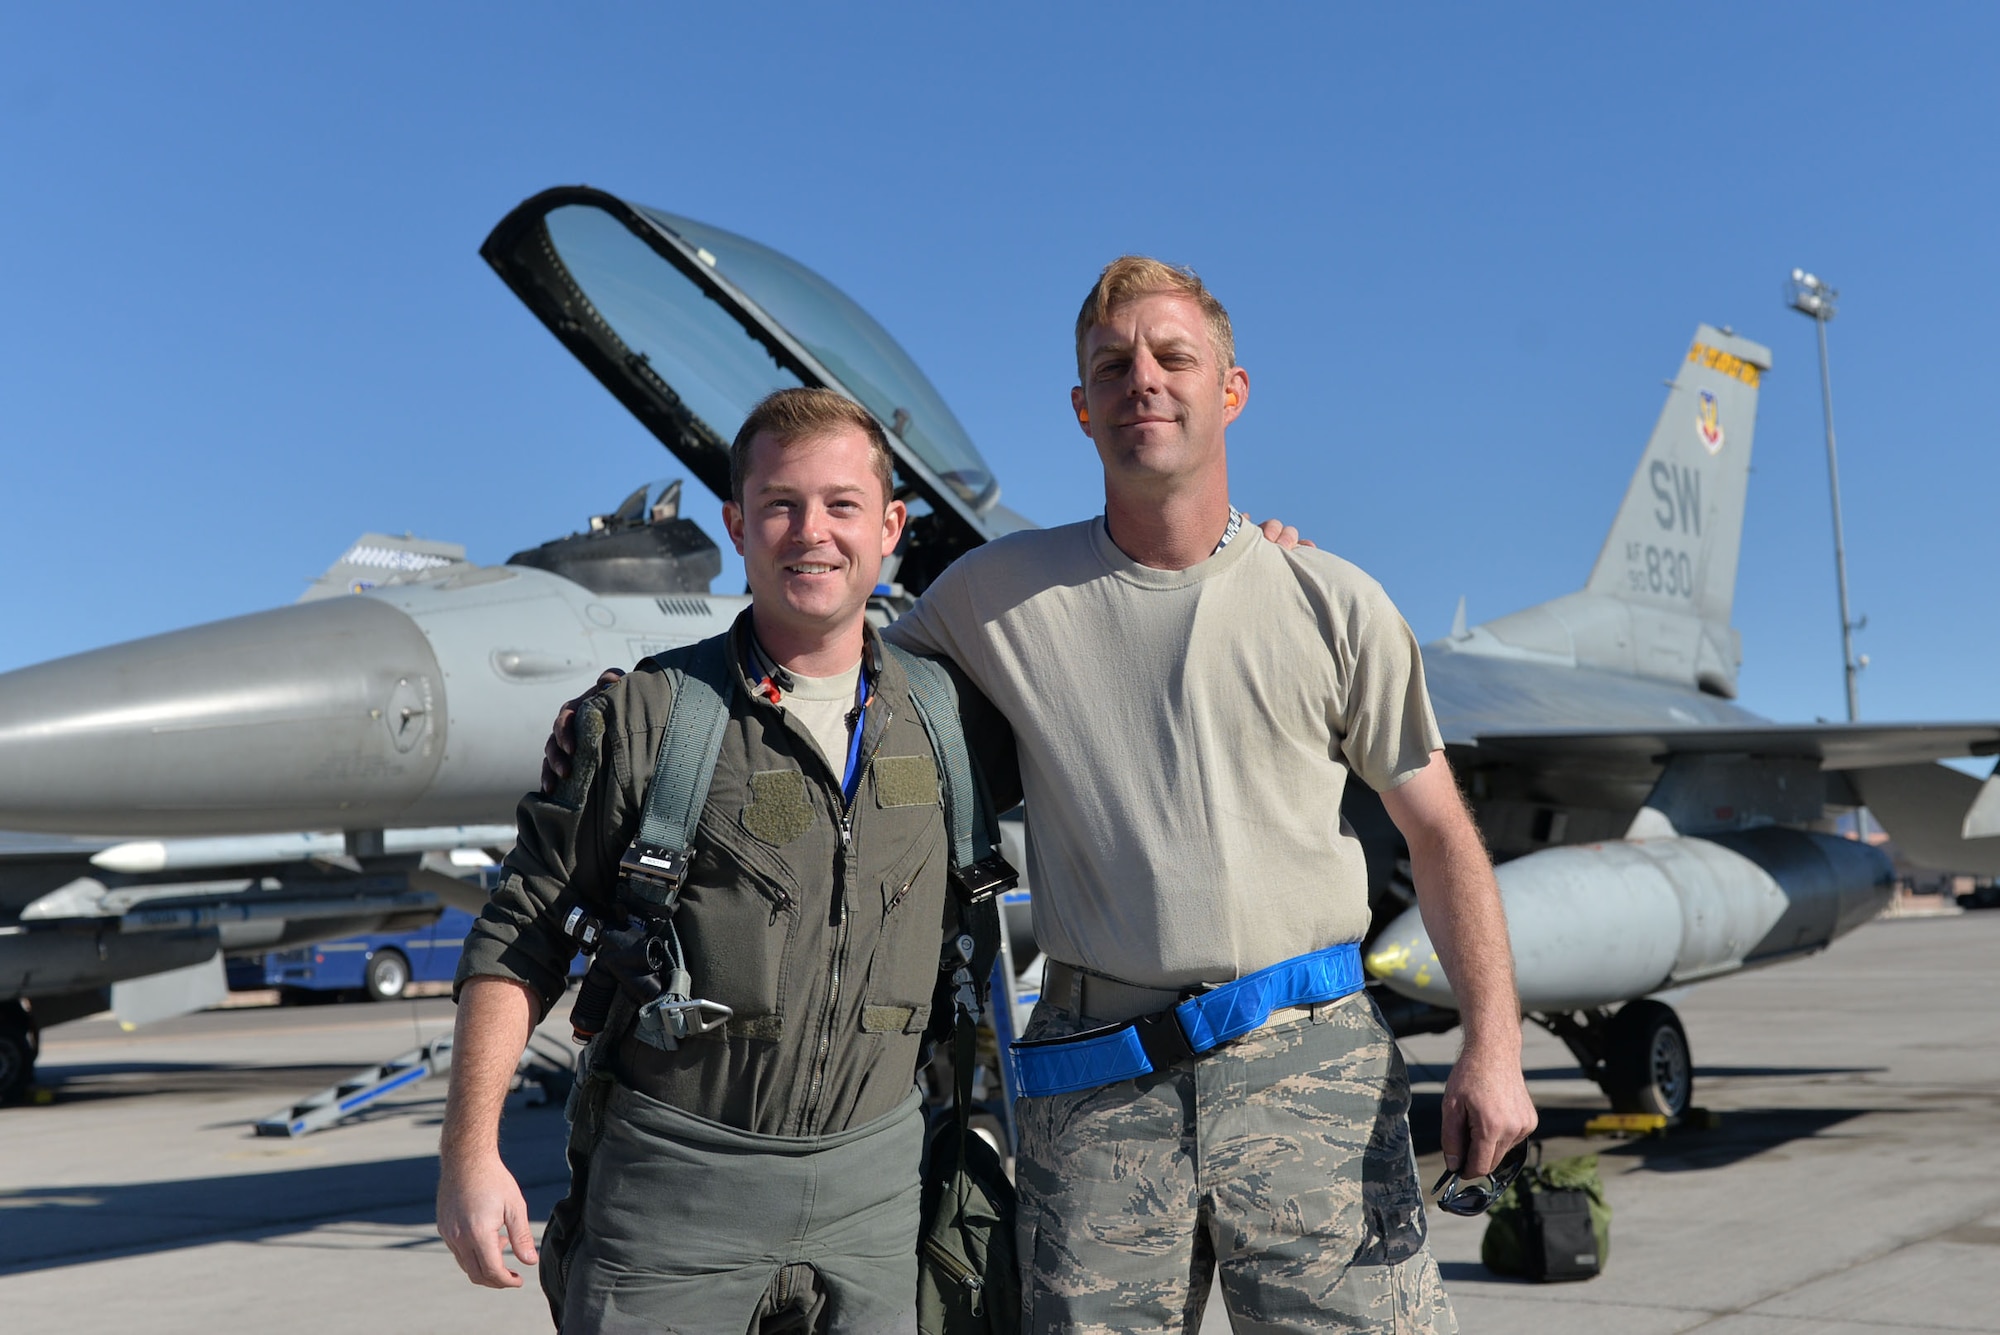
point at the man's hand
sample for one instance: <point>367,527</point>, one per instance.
<point>1278,531</point>
<point>478,1200</point>
<point>1487,1110</point>
<point>478,1205</point>
<point>561,746</point>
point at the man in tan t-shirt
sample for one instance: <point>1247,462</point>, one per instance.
<point>1188,701</point>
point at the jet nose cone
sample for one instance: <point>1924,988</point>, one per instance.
<point>1406,962</point>
<point>328,712</point>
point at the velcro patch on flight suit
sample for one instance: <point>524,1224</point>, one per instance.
<point>764,1028</point>
<point>778,812</point>
<point>889,1020</point>
<point>906,781</point>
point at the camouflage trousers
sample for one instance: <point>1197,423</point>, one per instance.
<point>1283,1158</point>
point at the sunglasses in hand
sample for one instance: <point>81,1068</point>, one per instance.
<point>1472,1199</point>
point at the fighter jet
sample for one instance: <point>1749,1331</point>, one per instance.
<point>1651,831</point>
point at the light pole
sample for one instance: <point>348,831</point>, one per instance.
<point>1808,295</point>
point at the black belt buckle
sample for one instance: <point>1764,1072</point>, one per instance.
<point>984,879</point>
<point>1163,1040</point>
<point>653,875</point>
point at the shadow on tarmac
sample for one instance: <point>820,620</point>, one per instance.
<point>1454,1271</point>
<point>1741,1135</point>
<point>56,1226</point>
<point>1722,1072</point>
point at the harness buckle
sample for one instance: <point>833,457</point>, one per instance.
<point>1163,1040</point>
<point>653,875</point>
<point>983,879</point>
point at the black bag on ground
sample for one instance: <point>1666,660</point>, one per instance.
<point>1553,1224</point>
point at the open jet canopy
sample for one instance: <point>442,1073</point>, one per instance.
<point>689,325</point>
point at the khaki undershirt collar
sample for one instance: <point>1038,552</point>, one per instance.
<point>1118,564</point>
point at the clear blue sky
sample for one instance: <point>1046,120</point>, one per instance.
<point>245,319</point>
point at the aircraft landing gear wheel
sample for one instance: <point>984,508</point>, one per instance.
<point>19,1045</point>
<point>388,975</point>
<point>1647,1067</point>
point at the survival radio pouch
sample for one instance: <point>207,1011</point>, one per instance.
<point>1553,1224</point>
<point>967,1282</point>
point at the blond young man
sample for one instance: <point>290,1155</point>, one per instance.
<point>762,1175</point>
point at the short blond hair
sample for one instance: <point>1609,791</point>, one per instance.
<point>794,415</point>
<point>1132,276</point>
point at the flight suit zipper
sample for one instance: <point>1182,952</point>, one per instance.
<point>845,823</point>
<point>896,901</point>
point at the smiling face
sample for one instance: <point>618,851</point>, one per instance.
<point>1156,392</point>
<point>812,527</point>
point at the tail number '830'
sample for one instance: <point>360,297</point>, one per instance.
<point>1659,570</point>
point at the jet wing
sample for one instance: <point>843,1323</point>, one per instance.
<point>1835,746</point>
<point>689,325</point>
<point>147,919</point>
<point>1938,817</point>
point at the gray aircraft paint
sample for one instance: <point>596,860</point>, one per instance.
<point>423,703</point>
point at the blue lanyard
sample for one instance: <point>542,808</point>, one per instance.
<point>851,778</point>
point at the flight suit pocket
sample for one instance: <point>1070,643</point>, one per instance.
<point>903,971</point>
<point>737,919</point>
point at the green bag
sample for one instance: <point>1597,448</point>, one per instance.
<point>1553,1224</point>
<point>967,1281</point>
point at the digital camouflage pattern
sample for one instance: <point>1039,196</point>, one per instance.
<point>1283,1158</point>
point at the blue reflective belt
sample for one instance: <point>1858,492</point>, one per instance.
<point>1197,1025</point>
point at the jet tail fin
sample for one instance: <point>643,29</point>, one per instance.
<point>1675,543</point>
<point>1658,601</point>
<point>378,558</point>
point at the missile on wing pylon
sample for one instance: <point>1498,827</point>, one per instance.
<point>1594,924</point>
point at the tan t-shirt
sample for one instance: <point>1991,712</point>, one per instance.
<point>1185,736</point>
<point>823,704</point>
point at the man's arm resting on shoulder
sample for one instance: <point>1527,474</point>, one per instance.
<point>1487,1110</point>
<point>478,1199</point>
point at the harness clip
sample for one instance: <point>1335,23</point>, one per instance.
<point>680,1016</point>
<point>983,879</point>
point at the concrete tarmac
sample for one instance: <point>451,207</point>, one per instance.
<point>1853,1184</point>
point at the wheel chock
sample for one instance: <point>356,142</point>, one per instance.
<point>1626,1124</point>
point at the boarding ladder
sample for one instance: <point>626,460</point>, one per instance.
<point>538,1072</point>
